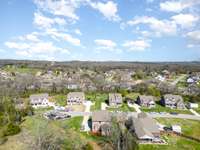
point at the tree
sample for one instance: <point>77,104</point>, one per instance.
<point>120,138</point>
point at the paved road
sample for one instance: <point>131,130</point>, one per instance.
<point>180,116</point>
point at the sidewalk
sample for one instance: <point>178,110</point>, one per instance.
<point>103,106</point>
<point>136,107</point>
<point>194,112</point>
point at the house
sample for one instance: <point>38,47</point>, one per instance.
<point>146,101</point>
<point>173,101</point>
<point>39,100</point>
<point>176,128</point>
<point>101,122</point>
<point>145,128</point>
<point>115,99</point>
<point>75,98</point>
<point>192,105</point>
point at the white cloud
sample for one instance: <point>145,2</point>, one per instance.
<point>177,5</point>
<point>185,20</point>
<point>15,45</point>
<point>194,35</point>
<point>78,32</point>
<point>193,39</point>
<point>159,27</point>
<point>108,9</point>
<point>64,36</point>
<point>137,45</point>
<point>59,7</point>
<point>45,22</point>
<point>105,44</point>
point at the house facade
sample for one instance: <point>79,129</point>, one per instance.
<point>39,100</point>
<point>101,122</point>
<point>115,99</point>
<point>173,101</point>
<point>75,98</point>
<point>146,101</point>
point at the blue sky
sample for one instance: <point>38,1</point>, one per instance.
<point>101,30</point>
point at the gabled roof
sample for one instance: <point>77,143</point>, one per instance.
<point>102,115</point>
<point>145,126</point>
<point>38,96</point>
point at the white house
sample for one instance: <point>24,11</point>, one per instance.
<point>39,100</point>
<point>192,105</point>
<point>176,128</point>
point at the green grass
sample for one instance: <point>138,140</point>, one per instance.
<point>189,127</point>
<point>132,95</point>
<point>160,108</point>
<point>124,108</point>
<point>21,69</point>
<point>97,98</point>
<point>60,99</point>
<point>174,143</point>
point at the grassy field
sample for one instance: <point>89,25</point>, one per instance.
<point>124,108</point>
<point>189,127</point>
<point>97,98</point>
<point>59,99</point>
<point>21,69</point>
<point>174,143</point>
<point>160,108</point>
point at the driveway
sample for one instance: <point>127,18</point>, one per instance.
<point>135,106</point>
<point>103,106</point>
<point>194,112</point>
<point>86,117</point>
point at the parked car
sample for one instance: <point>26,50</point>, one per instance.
<point>173,113</point>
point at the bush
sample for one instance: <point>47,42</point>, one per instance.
<point>11,129</point>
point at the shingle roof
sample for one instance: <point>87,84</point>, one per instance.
<point>145,126</point>
<point>36,96</point>
<point>173,98</point>
<point>76,94</point>
<point>101,115</point>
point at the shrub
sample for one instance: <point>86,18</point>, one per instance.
<point>11,129</point>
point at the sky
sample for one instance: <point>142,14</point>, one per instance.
<point>100,30</point>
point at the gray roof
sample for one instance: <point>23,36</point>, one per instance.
<point>146,99</point>
<point>115,98</point>
<point>173,98</point>
<point>145,126</point>
<point>39,96</point>
<point>102,115</point>
<point>76,94</point>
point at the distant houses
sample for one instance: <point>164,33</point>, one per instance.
<point>101,122</point>
<point>173,101</point>
<point>145,128</point>
<point>146,101</point>
<point>39,100</point>
<point>115,99</point>
<point>75,98</point>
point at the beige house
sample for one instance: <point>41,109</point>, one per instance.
<point>115,99</point>
<point>75,98</point>
<point>101,122</point>
<point>39,100</point>
<point>145,128</point>
<point>173,101</point>
<point>146,101</point>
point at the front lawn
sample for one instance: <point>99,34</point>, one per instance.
<point>97,98</point>
<point>59,99</point>
<point>124,108</point>
<point>160,108</point>
<point>189,127</point>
